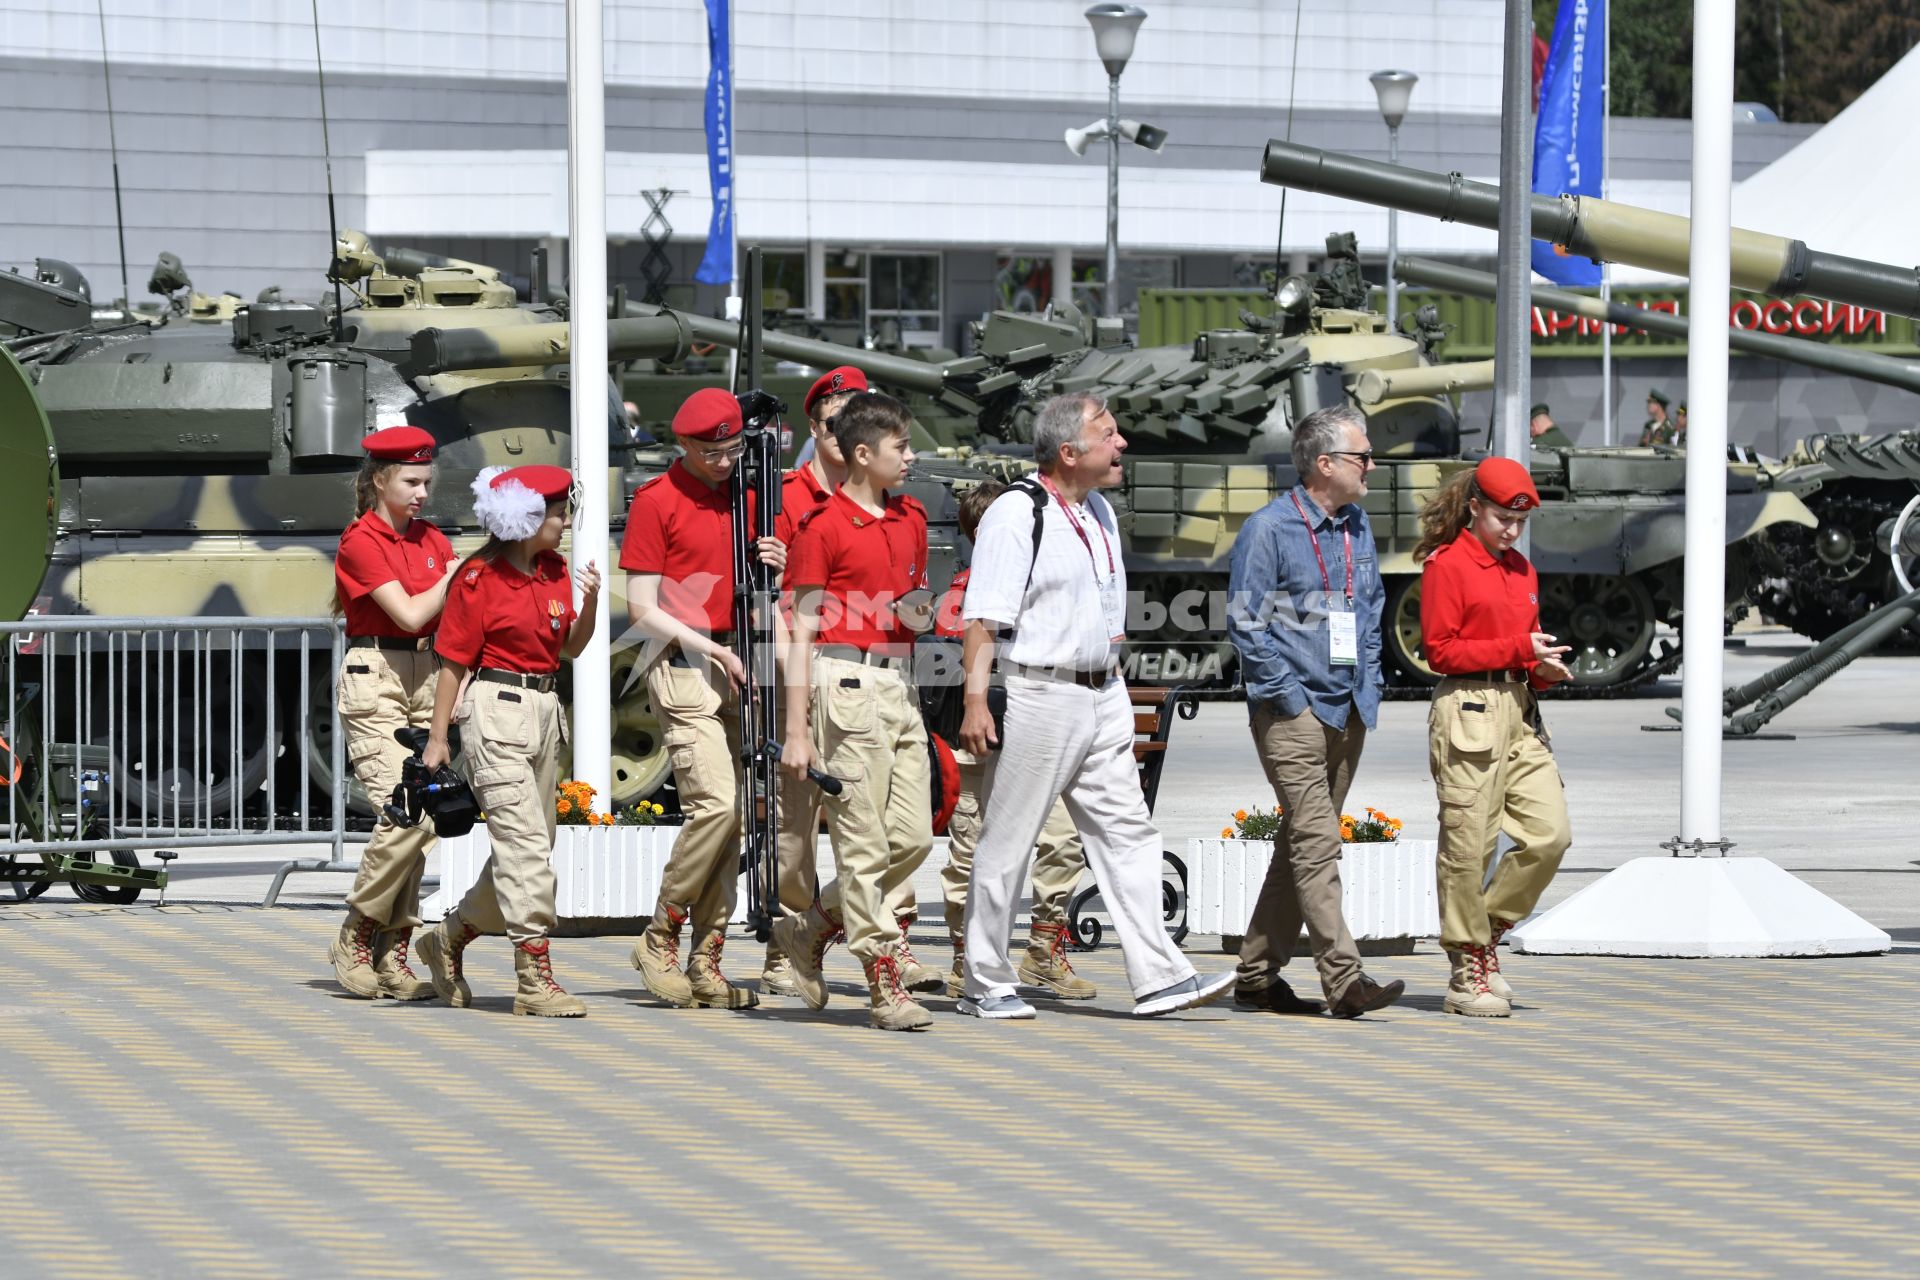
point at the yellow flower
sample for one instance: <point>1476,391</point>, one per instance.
<point>1226,833</point>
<point>657,808</point>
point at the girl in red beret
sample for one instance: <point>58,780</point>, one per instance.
<point>390,580</point>
<point>1486,744</point>
<point>509,620</point>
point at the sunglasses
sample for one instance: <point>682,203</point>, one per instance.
<point>1365,455</point>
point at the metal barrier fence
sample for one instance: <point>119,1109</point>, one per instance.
<point>137,733</point>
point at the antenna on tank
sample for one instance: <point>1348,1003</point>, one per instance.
<point>1293,83</point>
<point>326,147</point>
<point>113,145</point>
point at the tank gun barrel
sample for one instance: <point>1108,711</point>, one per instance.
<point>1376,385</point>
<point>662,337</point>
<point>1600,229</point>
<point>1869,365</point>
<point>881,366</point>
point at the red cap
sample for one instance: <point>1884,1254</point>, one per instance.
<point>399,444</point>
<point>548,481</point>
<point>832,383</point>
<point>1505,483</point>
<point>709,414</point>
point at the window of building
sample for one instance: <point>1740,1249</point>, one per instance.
<point>1136,273</point>
<point>785,271</point>
<point>905,288</point>
<point>846,300</point>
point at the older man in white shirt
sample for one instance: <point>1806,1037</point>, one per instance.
<point>1069,723</point>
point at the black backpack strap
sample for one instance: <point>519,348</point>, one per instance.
<point>1032,487</point>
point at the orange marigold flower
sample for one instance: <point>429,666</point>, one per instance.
<point>563,806</point>
<point>1226,833</point>
<point>1239,815</point>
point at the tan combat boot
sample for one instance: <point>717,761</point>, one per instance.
<point>1468,994</point>
<point>893,1009</point>
<point>1045,964</point>
<point>710,987</point>
<point>804,940</point>
<point>657,956</point>
<point>776,972</point>
<point>914,976</point>
<point>1496,983</point>
<point>957,976</point>
<point>352,956</point>
<point>539,995</point>
<point>440,949</point>
<point>396,976</point>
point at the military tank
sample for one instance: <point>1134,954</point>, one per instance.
<point>1210,429</point>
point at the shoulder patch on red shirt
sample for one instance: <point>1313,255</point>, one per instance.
<point>473,575</point>
<point>909,504</point>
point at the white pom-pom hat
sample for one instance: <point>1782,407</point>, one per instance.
<point>511,502</point>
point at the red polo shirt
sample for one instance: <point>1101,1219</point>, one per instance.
<point>946,618</point>
<point>1478,612</point>
<point>682,530</point>
<point>865,562</point>
<point>497,616</point>
<point>371,555</point>
<point>800,495</point>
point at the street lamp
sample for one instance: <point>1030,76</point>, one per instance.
<point>1114,26</point>
<point>1393,88</point>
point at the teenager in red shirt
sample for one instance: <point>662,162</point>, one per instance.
<point>390,579</point>
<point>508,622</point>
<point>1486,744</point>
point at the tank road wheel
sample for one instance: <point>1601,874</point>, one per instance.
<point>173,749</point>
<point>1401,637</point>
<point>320,745</point>
<point>640,760</point>
<point>1606,620</point>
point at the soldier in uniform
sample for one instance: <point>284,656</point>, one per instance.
<point>390,581</point>
<point>1680,424</point>
<point>678,554</point>
<point>509,620</point>
<point>1486,744</point>
<point>1658,430</point>
<point>1546,435</point>
<point>1060,858</point>
<point>807,487</point>
<point>851,706</point>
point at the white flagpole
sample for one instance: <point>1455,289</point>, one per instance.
<point>587,371</point>
<point>1606,268</point>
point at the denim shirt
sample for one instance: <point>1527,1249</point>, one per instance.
<point>1278,606</point>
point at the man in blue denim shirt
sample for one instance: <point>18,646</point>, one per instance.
<point>1306,602</point>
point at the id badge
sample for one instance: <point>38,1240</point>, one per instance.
<point>1112,608</point>
<point>1343,638</point>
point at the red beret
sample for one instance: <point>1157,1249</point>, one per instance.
<point>1506,483</point>
<point>548,481</point>
<point>709,414</point>
<point>399,444</point>
<point>832,383</point>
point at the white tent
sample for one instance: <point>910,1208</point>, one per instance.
<point>1847,189</point>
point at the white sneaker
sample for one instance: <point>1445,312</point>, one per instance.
<point>1003,1007</point>
<point>1191,994</point>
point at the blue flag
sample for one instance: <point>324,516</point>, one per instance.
<point>1567,151</point>
<point>717,266</point>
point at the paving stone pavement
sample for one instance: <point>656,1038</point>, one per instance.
<point>194,1096</point>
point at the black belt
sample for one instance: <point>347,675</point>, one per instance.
<point>678,657</point>
<point>1065,675</point>
<point>1512,675</point>
<point>402,644</point>
<point>519,679</point>
<point>891,661</point>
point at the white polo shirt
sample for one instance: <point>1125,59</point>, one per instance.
<point>1058,617</point>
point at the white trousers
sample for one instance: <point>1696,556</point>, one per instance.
<point>1077,744</point>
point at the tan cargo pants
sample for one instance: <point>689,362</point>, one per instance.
<point>382,690</point>
<point>1494,773</point>
<point>699,712</point>
<point>867,728</point>
<point>511,739</point>
<point>1056,866</point>
<point>1310,765</point>
<point>801,809</point>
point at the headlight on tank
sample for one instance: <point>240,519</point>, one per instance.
<point>1294,294</point>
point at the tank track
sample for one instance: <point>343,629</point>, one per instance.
<point>1799,590</point>
<point>1665,663</point>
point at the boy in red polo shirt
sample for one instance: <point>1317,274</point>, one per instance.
<point>851,706</point>
<point>678,553</point>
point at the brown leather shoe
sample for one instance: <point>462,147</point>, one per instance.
<point>1277,997</point>
<point>1364,995</point>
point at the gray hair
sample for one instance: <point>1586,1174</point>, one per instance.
<point>1320,433</point>
<point>1060,421</point>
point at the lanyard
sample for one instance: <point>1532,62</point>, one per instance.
<point>1313,540</point>
<point>1074,520</point>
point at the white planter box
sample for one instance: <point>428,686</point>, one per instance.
<point>599,872</point>
<point>1387,890</point>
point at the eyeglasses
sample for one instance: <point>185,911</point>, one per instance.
<point>723,453</point>
<point>1365,456</point>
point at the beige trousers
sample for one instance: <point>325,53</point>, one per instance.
<point>1494,772</point>
<point>867,728</point>
<point>1056,865</point>
<point>699,712</point>
<point>1310,765</point>
<point>512,743</point>
<point>382,690</point>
